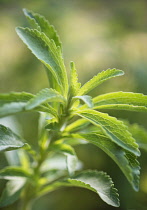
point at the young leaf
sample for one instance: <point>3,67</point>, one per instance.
<point>40,23</point>
<point>12,192</point>
<point>74,84</point>
<point>97,80</point>
<point>60,147</point>
<point>9,140</point>
<point>46,51</point>
<point>113,128</point>
<point>77,125</point>
<point>14,173</point>
<point>98,182</point>
<point>121,100</point>
<point>44,96</point>
<point>87,100</point>
<point>119,155</point>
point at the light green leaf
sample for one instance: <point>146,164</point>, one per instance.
<point>98,182</point>
<point>12,192</point>
<point>74,84</point>
<point>113,128</point>
<point>121,100</point>
<point>40,23</point>
<point>87,100</point>
<point>77,125</point>
<point>14,173</point>
<point>47,52</point>
<point>60,147</point>
<point>98,79</point>
<point>119,155</point>
<point>44,96</point>
<point>9,140</point>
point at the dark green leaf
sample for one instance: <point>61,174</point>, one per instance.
<point>9,140</point>
<point>46,51</point>
<point>140,134</point>
<point>129,166</point>
<point>14,173</point>
<point>12,192</point>
<point>95,181</point>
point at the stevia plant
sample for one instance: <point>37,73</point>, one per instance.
<point>68,117</point>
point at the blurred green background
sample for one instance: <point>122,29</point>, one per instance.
<point>96,35</point>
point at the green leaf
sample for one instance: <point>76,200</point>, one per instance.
<point>139,133</point>
<point>74,84</point>
<point>71,164</point>
<point>9,140</point>
<point>121,100</point>
<point>12,192</point>
<point>14,173</point>
<point>77,125</point>
<point>15,97</point>
<point>98,79</point>
<point>98,182</point>
<point>60,147</point>
<point>12,108</point>
<point>119,155</point>
<point>44,96</point>
<point>40,23</point>
<point>13,102</point>
<point>113,128</point>
<point>87,100</point>
<point>47,52</point>
<point>16,102</point>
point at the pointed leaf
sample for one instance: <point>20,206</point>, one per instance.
<point>113,128</point>
<point>12,192</point>
<point>14,173</point>
<point>40,23</point>
<point>87,100</point>
<point>74,84</point>
<point>9,140</point>
<point>97,80</point>
<point>119,155</point>
<point>121,100</point>
<point>44,96</point>
<point>47,52</point>
<point>95,181</point>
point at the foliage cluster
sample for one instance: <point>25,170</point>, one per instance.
<point>68,117</point>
